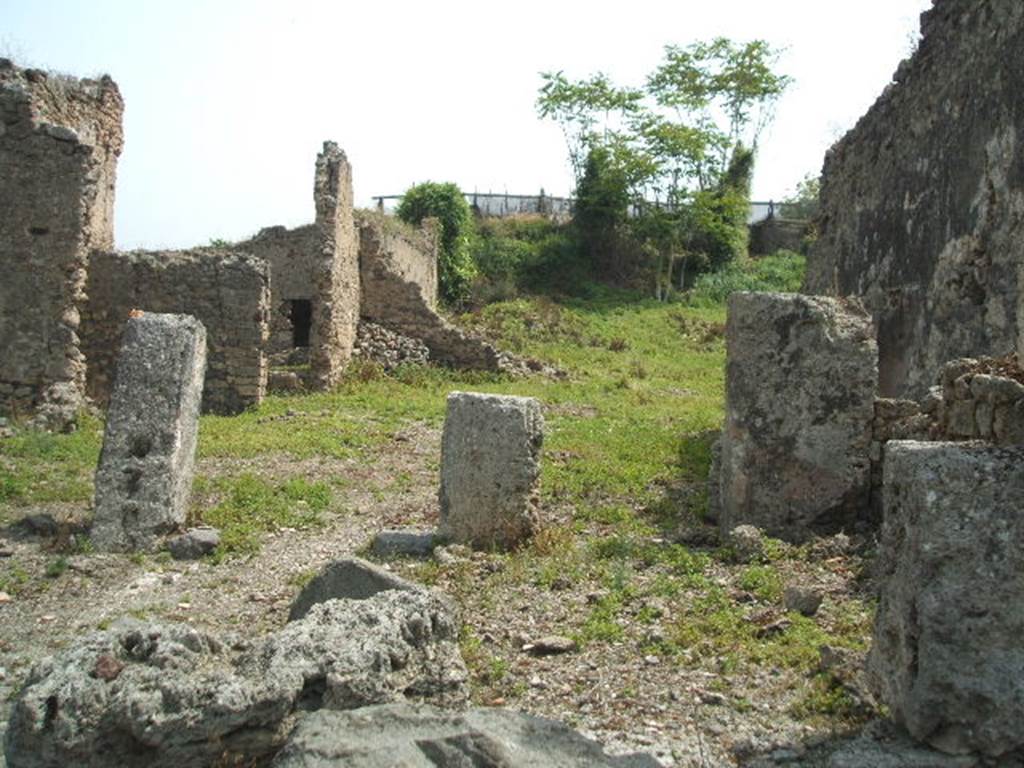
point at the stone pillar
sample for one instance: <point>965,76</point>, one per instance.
<point>801,376</point>
<point>948,659</point>
<point>335,269</point>
<point>59,143</point>
<point>490,465</point>
<point>145,470</point>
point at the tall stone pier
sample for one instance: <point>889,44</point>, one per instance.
<point>335,269</point>
<point>59,142</point>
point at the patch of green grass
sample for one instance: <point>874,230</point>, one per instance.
<point>764,581</point>
<point>252,506</point>
<point>39,467</point>
<point>825,700</point>
<point>13,578</point>
<point>56,568</point>
<point>783,271</point>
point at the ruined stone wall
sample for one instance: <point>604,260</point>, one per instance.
<point>400,294</point>
<point>289,253</point>
<point>392,254</point>
<point>922,203</point>
<point>227,291</point>
<point>59,143</point>
<point>335,269</point>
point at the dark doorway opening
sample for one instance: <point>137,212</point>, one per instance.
<point>302,321</point>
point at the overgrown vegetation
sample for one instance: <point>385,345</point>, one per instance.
<point>663,170</point>
<point>444,202</point>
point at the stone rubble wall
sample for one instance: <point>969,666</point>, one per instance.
<point>59,143</point>
<point>289,253</point>
<point>227,291</point>
<point>335,268</point>
<point>922,203</point>
<point>400,294</point>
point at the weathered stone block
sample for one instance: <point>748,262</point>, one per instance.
<point>800,401</point>
<point>349,578</point>
<point>490,464</point>
<point>145,470</point>
<point>947,657</point>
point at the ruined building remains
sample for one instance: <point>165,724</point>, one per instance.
<point>67,293</point>
<point>922,203</point>
<point>59,143</point>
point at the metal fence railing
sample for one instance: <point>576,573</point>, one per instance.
<point>500,205</point>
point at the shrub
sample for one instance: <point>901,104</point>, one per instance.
<point>782,271</point>
<point>447,204</point>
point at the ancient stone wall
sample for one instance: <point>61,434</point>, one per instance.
<point>922,203</point>
<point>59,143</point>
<point>399,293</point>
<point>228,292</point>
<point>335,269</point>
<point>391,255</point>
<point>289,253</point>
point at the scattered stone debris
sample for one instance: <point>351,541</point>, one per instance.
<point>194,543</point>
<point>387,348</point>
<point>490,466</point>
<point>947,656</point>
<point>426,737</point>
<point>161,695</point>
<point>144,477</point>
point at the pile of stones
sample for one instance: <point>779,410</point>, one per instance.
<point>388,348</point>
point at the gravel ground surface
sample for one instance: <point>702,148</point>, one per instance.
<point>685,711</point>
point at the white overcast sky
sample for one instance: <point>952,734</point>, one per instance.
<point>228,101</point>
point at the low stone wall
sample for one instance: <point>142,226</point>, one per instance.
<point>228,292</point>
<point>289,254</point>
<point>59,142</point>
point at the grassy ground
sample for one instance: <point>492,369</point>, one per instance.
<point>628,433</point>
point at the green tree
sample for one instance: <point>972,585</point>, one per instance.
<point>803,203</point>
<point>680,150</point>
<point>446,203</point>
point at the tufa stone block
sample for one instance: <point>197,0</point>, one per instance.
<point>145,470</point>
<point>490,465</point>
<point>801,377</point>
<point>947,656</point>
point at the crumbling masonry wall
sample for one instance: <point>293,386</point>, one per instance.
<point>289,254</point>
<point>335,269</point>
<point>399,286</point>
<point>922,203</point>
<point>227,291</point>
<point>59,143</point>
